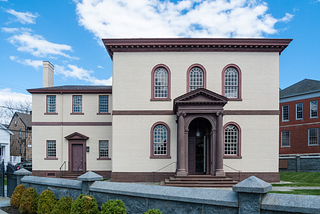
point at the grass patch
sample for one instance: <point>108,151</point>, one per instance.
<point>299,192</point>
<point>5,181</point>
<point>300,179</point>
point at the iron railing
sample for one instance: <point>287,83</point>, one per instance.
<point>239,171</point>
<point>80,165</point>
<point>61,168</point>
<point>154,172</point>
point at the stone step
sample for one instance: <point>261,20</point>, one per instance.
<point>203,182</point>
<point>211,178</point>
<point>201,185</point>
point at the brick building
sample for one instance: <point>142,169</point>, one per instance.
<point>21,140</point>
<point>299,126</point>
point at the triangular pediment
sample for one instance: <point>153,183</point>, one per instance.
<point>76,136</point>
<point>200,96</point>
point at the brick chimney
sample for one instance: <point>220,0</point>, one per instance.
<point>48,72</point>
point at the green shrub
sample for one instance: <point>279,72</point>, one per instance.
<point>84,204</point>
<point>16,196</point>
<point>46,202</point>
<point>113,207</point>
<point>153,211</point>
<point>29,201</point>
<point>63,206</point>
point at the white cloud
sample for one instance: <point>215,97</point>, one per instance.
<point>99,66</point>
<point>34,63</point>
<point>3,0</point>
<point>38,46</point>
<point>9,30</point>
<point>187,18</point>
<point>24,18</point>
<point>75,72</point>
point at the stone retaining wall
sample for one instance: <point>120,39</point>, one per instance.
<point>248,196</point>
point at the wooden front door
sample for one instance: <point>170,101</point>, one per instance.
<point>191,155</point>
<point>77,157</point>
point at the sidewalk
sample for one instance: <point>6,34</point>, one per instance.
<point>4,202</point>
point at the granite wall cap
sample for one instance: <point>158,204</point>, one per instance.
<point>90,176</point>
<point>22,172</point>
<point>252,185</point>
<point>52,182</point>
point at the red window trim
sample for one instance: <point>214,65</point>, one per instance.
<point>153,98</point>
<point>104,158</point>
<point>103,113</point>
<point>239,98</point>
<point>50,158</point>
<point>50,113</point>
<point>238,156</point>
<point>152,155</point>
<point>77,113</point>
<point>204,75</point>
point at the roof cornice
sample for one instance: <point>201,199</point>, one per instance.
<point>69,91</point>
<point>195,45</point>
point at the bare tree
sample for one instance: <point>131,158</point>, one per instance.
<point>9,107</point>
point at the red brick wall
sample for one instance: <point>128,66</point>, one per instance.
<point>299,128</point>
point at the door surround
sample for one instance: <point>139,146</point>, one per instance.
<point>73,139</point>
<point>205,104</point>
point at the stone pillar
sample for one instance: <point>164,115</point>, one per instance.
<point>251,191</point>
<point>20,174</point>
<point>298,163</point>
<point>219,152</point>
<point>87,180</point>
<point>181,146</point>
<point>213,152</point>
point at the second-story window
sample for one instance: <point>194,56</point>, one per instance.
<point>161,83</point>
<point>299,111</point>
<point>103,104</point>
<point>51,103</point>
<point>20,134</point>
<point>196,78</point>
<point>285,113</point>
<point>231,83</point>
<point>314,109</point>
<point>77,103</point>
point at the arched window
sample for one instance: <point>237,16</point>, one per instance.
<point>232,140</point>
<point>196,77</point>
<point>160,83</point>
<point>231,82</point>
<point>160,141</point>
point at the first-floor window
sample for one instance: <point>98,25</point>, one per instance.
<point>51,148</point>
<point>160,140</point>
<point>231,140</point>
<point>104,149</point>
<point>285,139</point>
<point>313,136</point>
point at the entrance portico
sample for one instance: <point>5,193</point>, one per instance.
<point>205,107</point>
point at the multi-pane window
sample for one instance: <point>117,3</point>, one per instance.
<point>77,103</point>
<point>285,113</point>
<point>196,78</point>
<point>20,134</point>
<point>231,83</point>
<point>51,103</point>
<point>299,111</point>
<point>51,148</point>
<point>314,109</point>
<point>161,83</point>
<point>231,140</point>
<point>104,149</point>
<point>285,139</point>
<point>160,140</point>
<point>313,135</point>
<point>103,104</point>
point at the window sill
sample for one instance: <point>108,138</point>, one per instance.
<point>107,113</point>
<point>74,113</point>
<point>51,158</point>
<point>160,99</point>
<point>285,146</point>
<point>313,145</point>
<point>51,113</point>
<point>300,119</point>
<point>313,117</point>
<point>232,157</point>
<point>160,157</point>
<point>103,158</point>
<point>235,99</point>
<point>285,121</point>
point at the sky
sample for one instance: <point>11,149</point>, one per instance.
<point>69,33</point>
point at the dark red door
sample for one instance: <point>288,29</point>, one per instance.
<point>77,157</point>
<point>191,155</point>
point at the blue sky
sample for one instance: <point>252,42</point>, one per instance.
<point>68,34</point>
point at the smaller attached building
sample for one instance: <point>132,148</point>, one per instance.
<point>299,127</point>
<point>5,144</point>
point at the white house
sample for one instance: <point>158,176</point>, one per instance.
<point>5,144</point>
<point>206,107</point>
